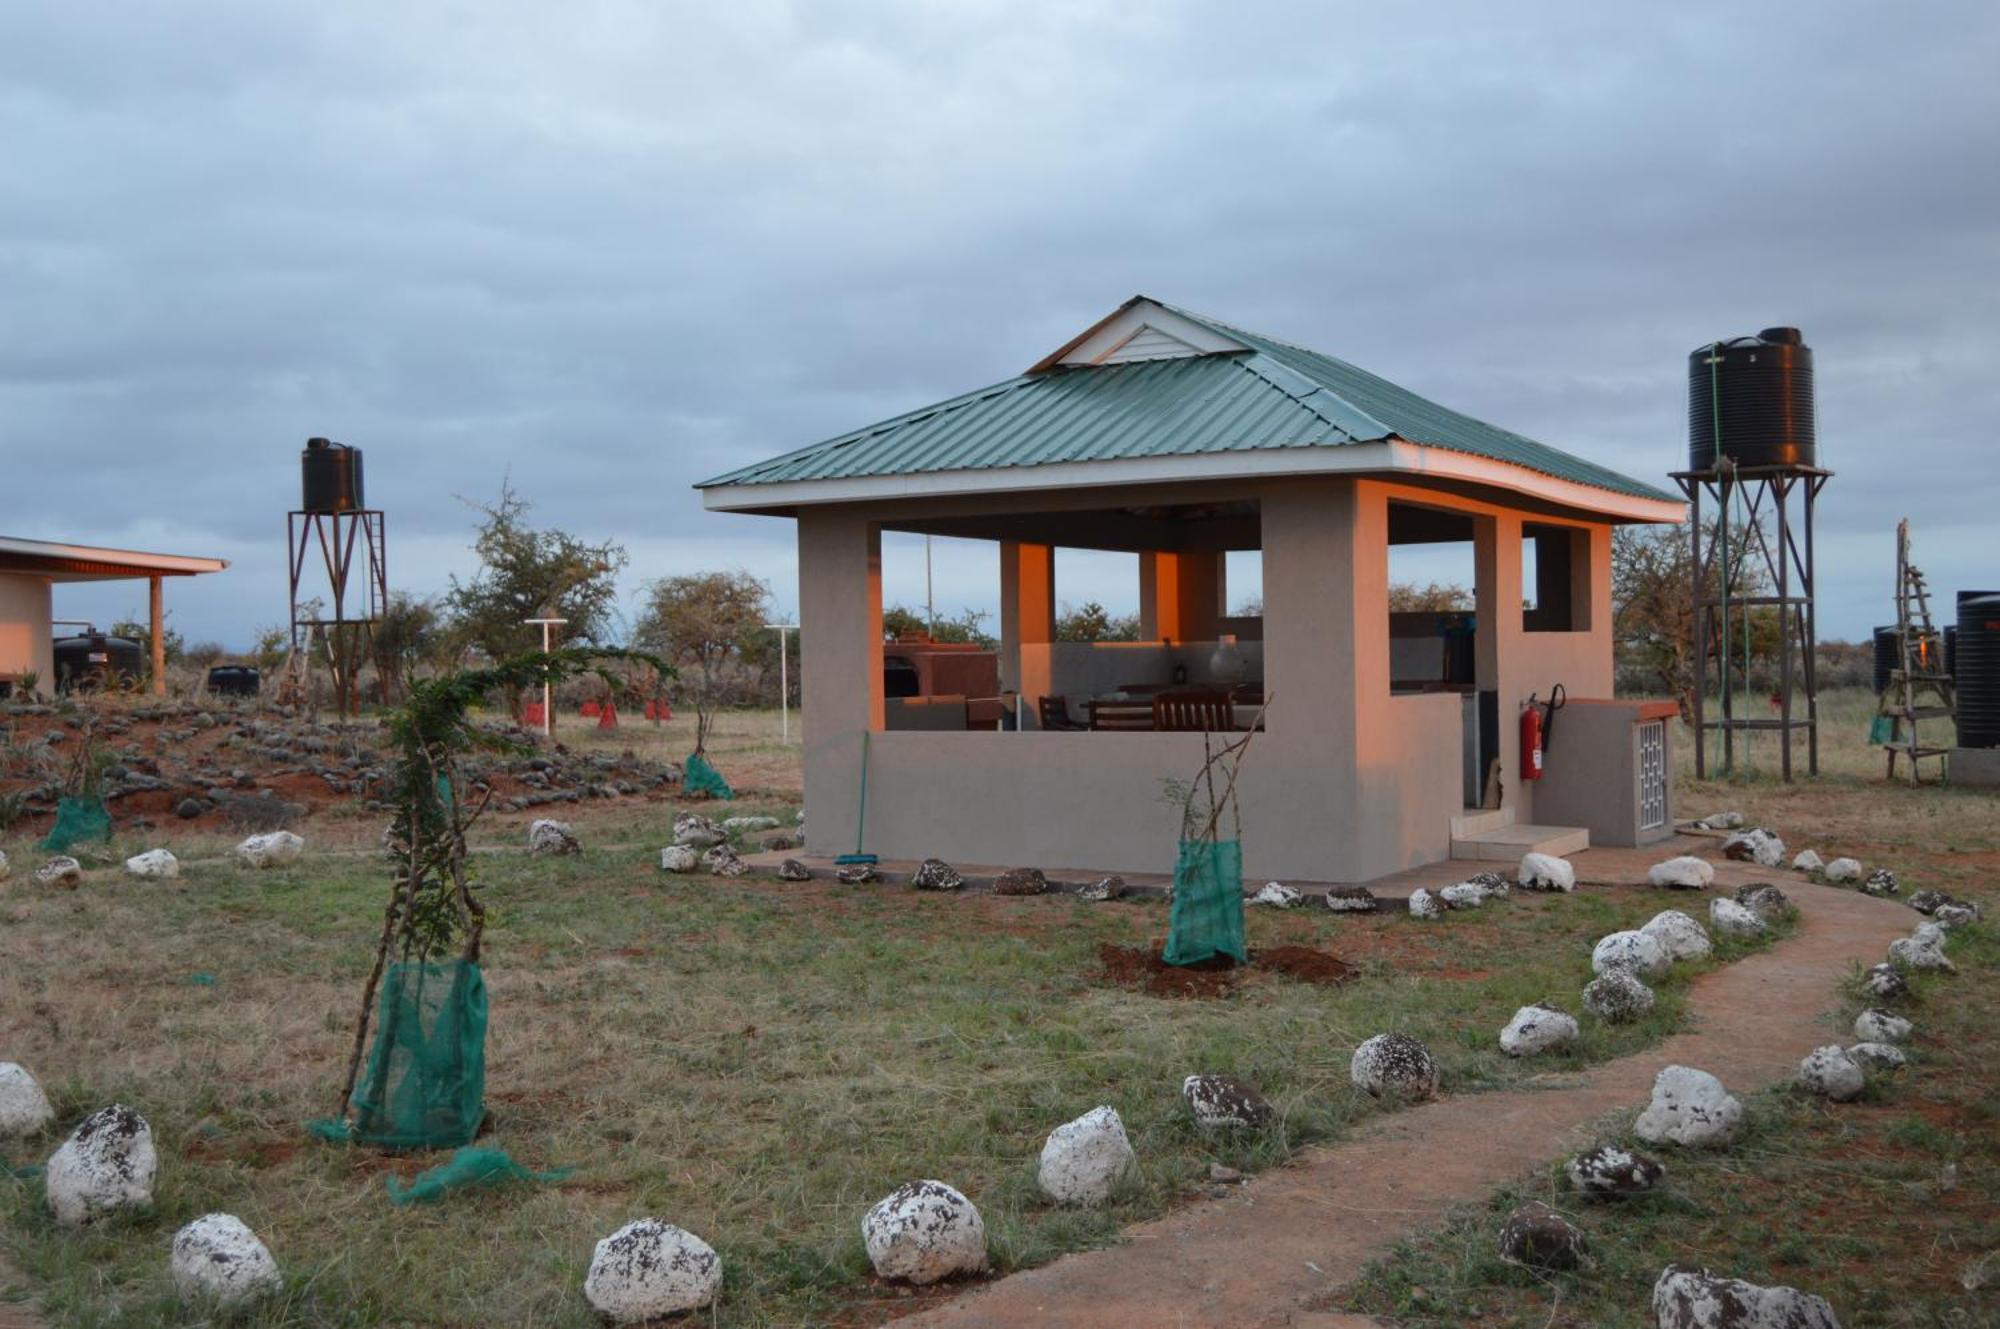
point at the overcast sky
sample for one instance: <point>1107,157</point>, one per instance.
<point>612,249</point>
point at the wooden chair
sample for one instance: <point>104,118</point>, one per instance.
<point>1055,714</point>
<point>1125,715</point>
<point>1193,711</point>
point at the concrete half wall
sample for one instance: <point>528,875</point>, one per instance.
<point>26,641</point>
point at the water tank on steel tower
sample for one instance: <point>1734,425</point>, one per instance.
<point>330,477</point>
<point>1979,670</point>
<point>1750,402</point>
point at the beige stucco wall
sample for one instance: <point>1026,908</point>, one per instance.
<point>1347,783</point>
<point>26,642</point>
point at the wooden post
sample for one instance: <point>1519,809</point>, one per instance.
<point>159,638</point>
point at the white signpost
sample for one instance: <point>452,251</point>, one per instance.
<point>784,679</point>
<point>548,709</point>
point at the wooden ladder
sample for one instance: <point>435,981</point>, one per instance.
<point>1919,688</point>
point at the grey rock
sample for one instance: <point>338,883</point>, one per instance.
<point>1351,900</point>
<point>793,870</point>
<point>1617,997</point>
<point>1880,882</point>
<point>1104,888</point>
<point>1885,982</point>
<point>1021,881</point>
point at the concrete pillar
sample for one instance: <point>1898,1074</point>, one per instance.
<point>158,623</point>
<point>26,641</point>
<point>1027,621</point>
<point>1180,595</point>
<point>840,664</point>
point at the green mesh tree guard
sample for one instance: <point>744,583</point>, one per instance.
<point>698,777</point>
<point>424,1084</point>
<point>77,820</point>
<point>1208,903</point>
<point>469,1168</point>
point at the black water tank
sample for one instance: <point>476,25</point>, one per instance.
<point>1979,671</point>
<point>330,477</point>
<point>1888,656</point>
<point>96,659</point>
<point>1750,400</point>
<point>234,680</point>
<point>1951,650</point>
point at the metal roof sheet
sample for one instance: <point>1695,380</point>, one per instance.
<point>1271,396</point>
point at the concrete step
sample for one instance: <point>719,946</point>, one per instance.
<point>1469,824</point>
<point>1508,843</point>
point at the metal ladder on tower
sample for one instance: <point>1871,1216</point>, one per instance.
<point>1919,688</point>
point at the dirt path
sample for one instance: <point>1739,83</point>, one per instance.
<point>1261,1256</point>
<point>15,1314</point>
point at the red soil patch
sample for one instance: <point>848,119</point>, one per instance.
<point>1306,965</point>
<point>1141,967</point>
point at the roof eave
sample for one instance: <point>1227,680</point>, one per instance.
<point>1392,456</point>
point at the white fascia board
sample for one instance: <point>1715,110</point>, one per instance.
<point>139,562</point>
<point>1384,456</point>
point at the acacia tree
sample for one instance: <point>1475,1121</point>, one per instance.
<point>1652,607</point>
<point>527,573</point>
<point>705,623</point>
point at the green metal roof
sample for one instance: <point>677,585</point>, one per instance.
<point>1271,396</point>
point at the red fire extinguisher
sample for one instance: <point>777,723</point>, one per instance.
<point>1538,724</point>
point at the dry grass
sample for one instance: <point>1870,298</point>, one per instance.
<point>754,1061</point>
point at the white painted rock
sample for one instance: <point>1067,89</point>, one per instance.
<point>1697,1299</point>
<point>934,874</point>
<point>1496,883</point>
<point>1679,936</point>
<point>1104,888</point>
<point>1808,861</point>
<point>1928,934</point>
<point>1755,845</point>
<point>1084,1160</point>
<point>1425,905</point>
<point>1883,981</point>
<point>1222,1101</point>
<point>1881,882</point>
<point>724,861</point>
<point>154,865</point>
<point>270,850</point>
<point>1909,953</point>
<point>1277,895</point>
<point>1842,869</point>
<point>24,1108</point>
<point>1537,1029</point>
<point>5,867</point>
<point>1829,1072</point>
<point>789,870</point>
<point>1351,900</point>
<point>1878,1056</point>
<point>1608,1171</point>
<point>1395,1065</point>
<point>648,1269</point>
<point>1689,1107</point>
<point>1721,821</point>
<point>1638,953</point>
<point>1686,873</point>
<point>1545,872</point>
<point>1876,1025</point>
<point>218,1261</point>
<point>107,1164</point>
<point>549,836</point>
<point>1617,997</point>
<point>1734,920</point>
<point>679,858</point>
<point>1956,915</point>
<point>1538,1237</point>
<point>697,830</point>
<point>924,1231</point>
<point>1465,895</point>
<point>62,870</point>
<point>748,825</point>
